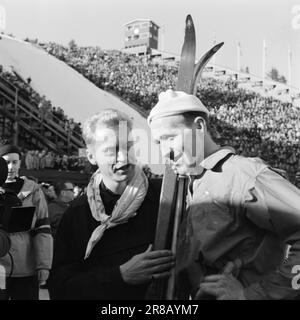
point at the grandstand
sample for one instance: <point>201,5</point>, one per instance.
<point>263,86</point>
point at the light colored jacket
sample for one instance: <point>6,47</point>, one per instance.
<point>241,210</point>
<point>29,161</point>
<point>31,250</point>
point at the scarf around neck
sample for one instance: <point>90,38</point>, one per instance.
<point>125,208</point>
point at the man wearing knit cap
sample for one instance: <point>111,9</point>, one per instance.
<point>241,214</point>
<point>31,251</point>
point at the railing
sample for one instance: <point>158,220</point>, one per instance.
<point>27,127</point>
<point>33,116</point>
<point>53,121</point>
<point>51,124</point>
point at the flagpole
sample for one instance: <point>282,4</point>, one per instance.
<point>289,66</point>
<point>264,60</point>
<point>238,64</point>
<point>2,18</point>
<point>214,43</point>
<point>162,42</point>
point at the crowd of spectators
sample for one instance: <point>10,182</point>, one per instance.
<point>43,159</point>
<point>133,78</point>
<point>253,124</point>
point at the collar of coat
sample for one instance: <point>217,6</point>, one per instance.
<point>211,161</point>
<point>28,188</point>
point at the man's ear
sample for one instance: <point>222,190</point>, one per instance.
<point>200,124</point>
<point>90,156</point>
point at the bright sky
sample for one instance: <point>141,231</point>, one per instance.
<point>99,22</point>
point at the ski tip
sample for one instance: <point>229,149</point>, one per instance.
<point>189,20</point>
<point>218,46</point>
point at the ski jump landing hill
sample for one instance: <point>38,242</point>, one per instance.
<point>65,87</point>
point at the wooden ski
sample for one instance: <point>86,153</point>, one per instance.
<point>187,61</point>
<point>199,67</point>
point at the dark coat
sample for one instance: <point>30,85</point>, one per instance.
<point>98,277</point>
<point>4,243</point>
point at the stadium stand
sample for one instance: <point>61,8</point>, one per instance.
<point>37,125</point>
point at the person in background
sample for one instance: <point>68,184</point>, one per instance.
<point>4,243</point>
<point>4,237</point>
<point>29,160</point>
<point>49,160</point>
<point>31,250</point>
<point>64,196</point>
<point>65,163</point>
<point>36,160</point>
<point>42,160</point>
<point>57,162</point>
<point>78,191</point>
<point>49,192</point>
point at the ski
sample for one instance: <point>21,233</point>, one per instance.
<point>187,60</point>
<point>199,67</point>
